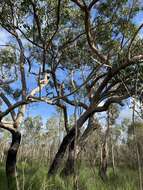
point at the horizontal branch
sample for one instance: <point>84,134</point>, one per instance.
<point>12,107</point>
<point>74,103</point>
<point>117,100</point>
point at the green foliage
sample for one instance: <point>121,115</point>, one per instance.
<point>7,57</point>
<point>33,123</point>
<point>36,179</point>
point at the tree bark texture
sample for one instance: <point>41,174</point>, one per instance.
<point>61,151</point>
<point>11,161</point>
<point>103,162</point>
<point>70,162</point>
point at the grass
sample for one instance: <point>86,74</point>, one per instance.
<point>35,178</point>
<point>3,182</point>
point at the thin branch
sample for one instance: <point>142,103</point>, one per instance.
<point>90,41</point>
<point>132,40</point>
<point>117,100</point>
<point>64,108</point>
<point>73,103</point>
<point>78,88</point>
<point>78,3</point>
<point>92,4</point>
<point>28,39</point>
<point>41,99</point>
<point>71,41</point>
<point>12,107</point>
<point>57,24</point>
<point>8,103</point>
<point>113,72</point>
<point>37,20</point>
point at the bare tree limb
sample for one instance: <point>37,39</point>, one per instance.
<point>78,3</point>
<point>37,20</point>
<point>93,2</point>
<point>7,127</point>
<point>132,40</point>
<point>8,103</point>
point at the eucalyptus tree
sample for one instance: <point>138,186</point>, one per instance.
<point>91,50</point>
<point>112,41</point>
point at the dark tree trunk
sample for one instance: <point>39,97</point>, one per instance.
<point>70,163</point>
<point>56,164</point>
<point>61,151</point>
<point>11,161</point>
<point>103,162</point>
<point>72,153</point>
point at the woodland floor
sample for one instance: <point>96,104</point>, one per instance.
<point>33,177</point>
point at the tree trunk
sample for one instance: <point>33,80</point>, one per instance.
<point>11,161</point>
<point>104,152</point>
<point>69,165</point>
<point>61,151</point>
<point>68,139</point>
<point>103,162</point>
<point>113,158</point>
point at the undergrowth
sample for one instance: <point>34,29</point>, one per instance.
<point>35,178</point>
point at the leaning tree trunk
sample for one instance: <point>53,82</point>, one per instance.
<point>70,163</point>
<point>67,140</point>
<point>61,151</point>
<point>74,150</point>
<point>11,161</point>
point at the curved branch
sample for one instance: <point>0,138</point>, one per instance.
<point>117,100</point>
<point>12,107</point>
<point>91,43</point>
<point>132,40</point>
<point>93,2</point>
<point>7,102</point>
<point>73,103</point>
<point>7,127</point>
